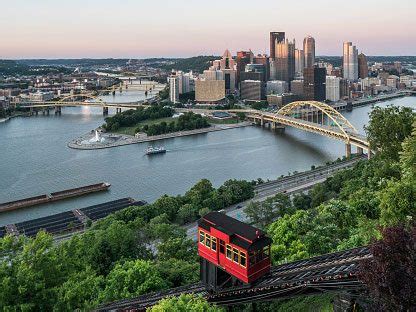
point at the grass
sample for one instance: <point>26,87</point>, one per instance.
<point>223,121</point>
<point>131,130</point>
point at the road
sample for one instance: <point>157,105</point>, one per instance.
<point>289,185</point>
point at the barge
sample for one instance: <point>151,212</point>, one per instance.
<point>47,198</point>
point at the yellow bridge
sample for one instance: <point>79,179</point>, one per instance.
<point>313,117</point>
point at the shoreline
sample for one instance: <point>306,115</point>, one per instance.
<point>123,139</point>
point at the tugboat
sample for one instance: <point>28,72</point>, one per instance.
<point>155,150</point>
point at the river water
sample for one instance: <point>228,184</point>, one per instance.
<point>35,159</point>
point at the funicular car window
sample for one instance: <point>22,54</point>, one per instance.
<point>228,252</point>
<point>243,259</point>
<point>235,255</point>
<point>214,244</point>
<point>222,246</point>
<point>201,237</point>
<point>208,241</point>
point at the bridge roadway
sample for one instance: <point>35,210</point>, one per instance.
<point>295,183</point>
<point>332,272</point>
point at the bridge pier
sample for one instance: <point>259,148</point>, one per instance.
<point>118,110</point>
<point>360,150</point>
<point>105,111</point>
<point>58,110</point>
<point>348,150</point>
<point>369,154</point>
<point>262,121</point>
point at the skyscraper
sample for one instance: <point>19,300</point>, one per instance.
<point>279,36</point>
<point>314,83</point>
<point>350,61</point>
<point>299,61</point>
<point>285,60</point>
<point>309,51</point>
<point>243,58</point>
<point>362,66</point>
<point>263,60</point>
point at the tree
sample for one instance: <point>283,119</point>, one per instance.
<point>264,213</point>
<point>398,202</point>
<point>390,273</point>
<point>130,279</point>
<point>387,129</point>
<point>408,155</point>
<point>185,303</point>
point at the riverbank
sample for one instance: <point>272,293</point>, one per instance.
<point>116,140</point>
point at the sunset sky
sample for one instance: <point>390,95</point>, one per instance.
<point>181,28</point>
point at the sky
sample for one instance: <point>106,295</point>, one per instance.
<point>183,28</point>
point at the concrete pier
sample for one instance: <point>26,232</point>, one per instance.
<point>347,150</point>
<point>105,111</point>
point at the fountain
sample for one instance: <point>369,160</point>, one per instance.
<point>97,138</point>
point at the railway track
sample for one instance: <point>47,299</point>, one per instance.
<point>330,272</point>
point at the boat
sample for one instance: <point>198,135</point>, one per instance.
<point>155,150</point>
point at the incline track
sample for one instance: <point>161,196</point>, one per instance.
<point>330,272</point>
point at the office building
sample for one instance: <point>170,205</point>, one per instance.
<point>392,81</point>
<point>296,87</point>
<point>362,66</point>
<point>350,62</point>
<point>276,87</point>
<point>309,51</point>
<point>333,88</point>
<point>281,100</point>
<point>285,60</point>
<point>275,37</point>
<point>209,91</point>
<point>263,60</point>
<point>243,58</point>
<point>257,68</point>
<point>252,90</point>
<point>344,87</point>
<point>227,66</point>
<point>314,83</point>
<point>299,62</point>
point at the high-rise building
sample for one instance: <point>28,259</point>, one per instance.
<point>333,88</point>
<point>350,61</point>
<point>299,61</point>
<point>277,87</point>
<point>296,87</point>
<point>263,60</point>
<point>243,58</point>
<point>285,60</point>
<point>228,68</point>
<point>362,66</point>
<point>309,51</point>
<point>252,90</point>
<point>278,36</point>
<point>314,83</point>
<point>257,68</point>
<point>174,88</point>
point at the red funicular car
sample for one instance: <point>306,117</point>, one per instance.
<point>232,252</point>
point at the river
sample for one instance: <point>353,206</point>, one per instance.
<point>35,159</point>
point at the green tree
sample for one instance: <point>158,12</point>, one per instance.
<point>130,279</point>
<point>387,129</point>
<point>185,303</point>
<point>398,202</point>
<point>408,155</point>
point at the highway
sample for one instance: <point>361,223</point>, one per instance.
<point>290,185</point>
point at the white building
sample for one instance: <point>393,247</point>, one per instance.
<point>333,88</point>
<point>366,83</point>
<point>277,87</point>
<point>350,62</point>
<point>174,82</point>
<point>407,80</point>
<point>41,96</point>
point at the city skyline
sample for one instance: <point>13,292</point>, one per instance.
<point>138,29</point>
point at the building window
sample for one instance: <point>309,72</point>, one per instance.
<point>228,255</point>
<point>243,259</point>
<point>235,255</point>
<point>214,244</point>
<point>222,246</point>
<point>201,237</point>
<point>208,241</point>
